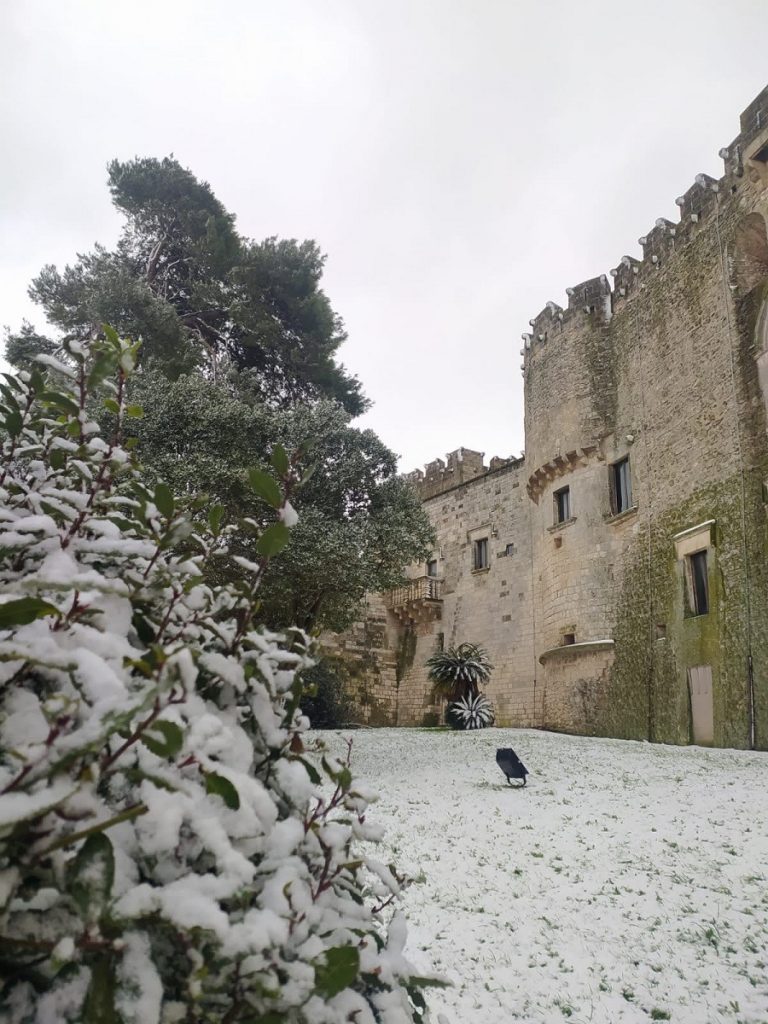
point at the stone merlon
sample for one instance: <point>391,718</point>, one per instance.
<point>747,153</point>
<point>461,466</point>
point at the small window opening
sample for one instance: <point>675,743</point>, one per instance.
<point>762,154</point>
<point>509,549</point>
<point>432,567</point>
<point>480,554</point>
<point>569,638</point>
<point>698,583</point>
<point>562,505</point>
<point>621,487</point>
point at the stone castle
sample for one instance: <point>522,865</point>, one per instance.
<point>617,574</point>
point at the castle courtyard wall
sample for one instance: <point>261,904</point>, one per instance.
<point>589,621</point>
<point>664,369</point>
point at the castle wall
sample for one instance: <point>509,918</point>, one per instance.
<point>387,650</point>
<point>369,650</point>
<point>665,371</point>
<point>493,606</point>
<point>587,606</point>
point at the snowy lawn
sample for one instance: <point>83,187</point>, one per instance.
<point>626,883</point>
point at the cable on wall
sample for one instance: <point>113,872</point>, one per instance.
<point>742,474</point>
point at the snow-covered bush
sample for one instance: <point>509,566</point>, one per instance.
<point>169,850</point>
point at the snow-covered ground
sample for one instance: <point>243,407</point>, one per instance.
<point>625,883</point>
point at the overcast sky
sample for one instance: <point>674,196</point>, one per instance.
<point>460,161</point>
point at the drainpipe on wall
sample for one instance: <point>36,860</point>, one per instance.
<point>727,302</point>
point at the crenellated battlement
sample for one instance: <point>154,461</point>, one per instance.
<point>459,467</point>
<point>625,278</point>
<point>745,160</point>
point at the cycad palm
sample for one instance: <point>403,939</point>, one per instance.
<point>459,671</point>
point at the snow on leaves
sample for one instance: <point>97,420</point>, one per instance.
<point>168,847</point>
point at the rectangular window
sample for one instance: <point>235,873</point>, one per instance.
<point>480,554</point>
<point>621,487</point>
<point>562,505</point>
<point>698,583</point>
<point>432,567</point>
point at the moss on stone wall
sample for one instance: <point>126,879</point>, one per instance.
<point>648,697</point>
<point>406,652</point>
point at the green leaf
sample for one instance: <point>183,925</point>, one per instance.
<point>58,459</point>
<point>222,787</point>
<point>13,423</point>
<point>265,486</point>
<point>215,516</point>
<point>279,459</point>
<point>144,630</point>
<point>418,1000</point>
<point>165,739</point>
<point>273,540</point>
<point>103,366</point>
<point>59,401</point>
<point>426,982</point>
<point>111,334</point>
<point>341,967</point>
<point>91,876</point>
<point>136,411</point>
<point>312,772</point>
<point>9,396</point>
<point>36,380</point>
<point>164,500</point>
<point>342,777</point>
<point>24,610</point>
<point>111,406</point>
<point>99,1006</point>
<point>297,692</point>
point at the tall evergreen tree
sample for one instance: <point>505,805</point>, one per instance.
<point>201,295</point>
<point>238,354</point>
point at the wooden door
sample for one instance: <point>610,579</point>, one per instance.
<point>702,716</point>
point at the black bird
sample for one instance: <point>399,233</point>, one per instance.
<point>511,764</point>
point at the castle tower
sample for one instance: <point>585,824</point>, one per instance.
<point>647,454</point>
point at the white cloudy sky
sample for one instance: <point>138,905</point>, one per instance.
<point>460,161</point>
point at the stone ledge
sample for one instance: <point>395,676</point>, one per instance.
<point>561,526</point>
<point>620,517</point>
<point>573,650</point>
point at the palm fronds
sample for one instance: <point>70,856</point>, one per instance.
<point>471,713</point>
<point>459,671</point>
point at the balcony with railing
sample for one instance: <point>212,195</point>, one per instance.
<point>417,600</point>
